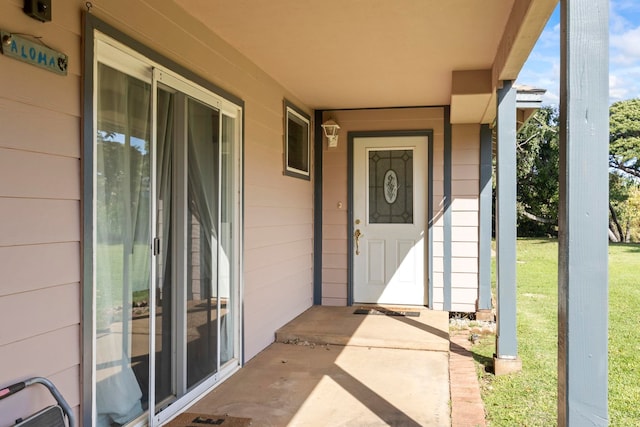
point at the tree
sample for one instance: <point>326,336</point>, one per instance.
<point>624,208</point>
<point>624,137</point>
<point>624,159</point>
<point>537,170</point>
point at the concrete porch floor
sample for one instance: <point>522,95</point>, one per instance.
<point>332,367</point>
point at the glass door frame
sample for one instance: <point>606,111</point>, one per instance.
<point>105,49</point>
<point>187,91</point>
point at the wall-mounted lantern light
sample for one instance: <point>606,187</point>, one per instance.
<point>331,128</point>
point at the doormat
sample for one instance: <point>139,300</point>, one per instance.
<point>388,312</point>
<point>189,419</point>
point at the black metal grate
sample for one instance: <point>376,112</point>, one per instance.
<point>51,416</point>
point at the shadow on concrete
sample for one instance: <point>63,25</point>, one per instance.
<point>332,367</point>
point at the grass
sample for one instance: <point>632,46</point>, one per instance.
<point>624,335</point>
<point>529,398</point>
<point>110,274</point>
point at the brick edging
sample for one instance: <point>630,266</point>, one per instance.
<point>467,409</point>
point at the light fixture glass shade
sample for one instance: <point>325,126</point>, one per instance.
<point>331,128</point>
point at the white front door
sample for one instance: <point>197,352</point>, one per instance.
<point>389,211</point>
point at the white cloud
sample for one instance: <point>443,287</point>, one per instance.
<point>543,66</point>
<point>617,89</point>
<point>618,22</point>
<point>549,38</point>
<point>624,83</point>
<point>551,98</point>
<point>625,46</point>
<point>624,50</point>
<point>542,71</point>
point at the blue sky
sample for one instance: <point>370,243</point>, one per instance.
<point>542,69</point>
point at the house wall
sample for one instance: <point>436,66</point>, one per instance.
<point>278,217</point>
<point>464,206</point>
<point>40,211</point>
<point>41,189</point>
<point>465,175</point>
<point>335,187</point>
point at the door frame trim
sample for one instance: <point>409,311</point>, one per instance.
<point>429,220</point>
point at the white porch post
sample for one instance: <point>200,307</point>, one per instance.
<point>583,244</point>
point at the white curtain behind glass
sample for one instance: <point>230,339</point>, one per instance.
<point>203,181</point>
<point>122,245</point>
<point>202,241</point>
<point>164,263</point>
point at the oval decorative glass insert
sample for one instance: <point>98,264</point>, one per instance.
<point>390,186</point>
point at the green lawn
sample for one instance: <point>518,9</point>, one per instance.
<point>110,276</point>
<point>529,398</point>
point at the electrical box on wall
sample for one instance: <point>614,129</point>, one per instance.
<point>38,9</point>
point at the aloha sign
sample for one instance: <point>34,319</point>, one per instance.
<point>33,53</point>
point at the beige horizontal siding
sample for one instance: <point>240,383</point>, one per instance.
<point>464,216</point>
<point>25,357</point>
<point>62,93</point>
<point>331,231</point>
<point>285,253</point>
<point>438,249</point>
<point>32,128</point>
<point>464,188</point>
<point>333,302</point>
<point>39,312</point>
<point>438,233</point>
<point>438,297</point>
<point>335,217</point>
<point>275,216</point>
<point>40,187</point>
<point>338,261</point>
<point>463,265</point>
<point>58,260</point>
<point>465,171</point>
<point>465,249</point>
<point>465,156</point>
<point>262,195</point>
<point>36,221</point>
<point>38,176</point>
<point>267,278</point>
<point>438,281</point>
<point>438,169</point>
<point>264,301</point>
<point>272,236</point>
<point>333,276</point>
<point>334,247</point>
<point>464,234</point>
<point>438,264</point>
<point>463,300</point>
<point>40,190</point>
<point>464,280</point>
<point>465,204</point>
<point>335,291</point>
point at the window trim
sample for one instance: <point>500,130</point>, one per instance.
<point>291,110</point>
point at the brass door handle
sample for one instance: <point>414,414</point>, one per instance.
<point>357,235</point>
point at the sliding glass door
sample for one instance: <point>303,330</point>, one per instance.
<point>166,263</point>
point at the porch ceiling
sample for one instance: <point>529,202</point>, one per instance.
<point>335,54</point>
